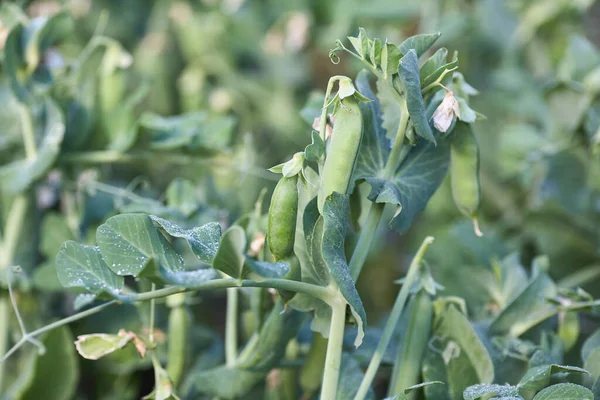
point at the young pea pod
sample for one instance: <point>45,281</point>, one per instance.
<point>179,327</point>
<point>464,172</point>
<point>311,374</point>
<point>407,368</point>
<point>281,224</point>
<point>342,151</point>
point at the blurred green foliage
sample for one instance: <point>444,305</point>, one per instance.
<point>177,108</point>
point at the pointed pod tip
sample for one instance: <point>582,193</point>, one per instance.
<point>476,228</point>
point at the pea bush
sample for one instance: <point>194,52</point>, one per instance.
<point>154,245</point>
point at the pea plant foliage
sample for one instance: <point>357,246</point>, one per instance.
<point>383,143</point>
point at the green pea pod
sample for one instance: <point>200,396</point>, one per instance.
<point>342,151</point>
<point>407,368</point>
<point>311,374</point>
<point>179,327</point>
<point>281,224</point>
<point>464,172</point>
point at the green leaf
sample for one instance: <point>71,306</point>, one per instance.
<point>375,146</point>
<point>197,131</point>
<point>390,109</point>
<point>230,257</point>
<point>433,63</point>
<point>335,220</point>
<point>279,328</point>
<point>316,150</point>
<point>419,43</point>
<point>53,375</point>
<point>268,269</point>
<point>97,345</point>
<point>590,344</point>
<point>351,375</point>
<point>19,175</point>
<point>181,194</point>
<point>393,59</point>
<point>417,178</point>
<point>130,242</point>
<point>565,391</point>
<point>203,240</point>
<point>227,383</point>
<point>409,73</point>
<point>592,363</point>
<point>453,325</point>
<point>482,389</point>
<point>537,378</point>
<point>530,302</point>
<point>437,73</point>
<point>82,266</point>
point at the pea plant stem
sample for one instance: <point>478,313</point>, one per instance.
<point>367,234</point>
<point>333,358</point>
<point>116,157</point>
<point>231,327</point>
<point>283,284</point>
<point>390,326</point>
<point>8,246</point>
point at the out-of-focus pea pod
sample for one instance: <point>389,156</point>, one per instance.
<point>179,327</point>
<point>281,224</point>
<point>342,151</point>
<point>464,172</point>
<point>311,374</point>
<point>407,368</point>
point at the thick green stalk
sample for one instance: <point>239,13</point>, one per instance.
<point>333,357</point>
<point>231,327</point>
<point>390,326</point>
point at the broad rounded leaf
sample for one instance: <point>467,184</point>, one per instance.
<point>203,240</point>
<point>230,257</point>
<point>129,242</point>
<point>82,266</point>
<point>565,391</point>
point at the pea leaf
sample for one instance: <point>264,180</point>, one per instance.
<point>268,269</point>
<point>197,131</point>
<point>230,256</point>
<point>130,242</point>
<point>351,375</point>
<point>280,326</point>
<point>53,375</point>
<point>203,240</point>
<point>335,220</point>
<point>417,178</point>
<point>433,63</point>
<point>181,194</point>
<point>419,43</point>
<point>590,344</point>
<point>483,389</point>
<point>565,391</point>
<point>82,266</point>
<point>538,377</point>
<point>409,74</point>
<point>530,301</point>
<point>19,175</point>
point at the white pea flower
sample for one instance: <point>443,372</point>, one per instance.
<point>446,111</point>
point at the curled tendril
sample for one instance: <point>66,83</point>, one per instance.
<point>333,57</point>
<point>333,53</point>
